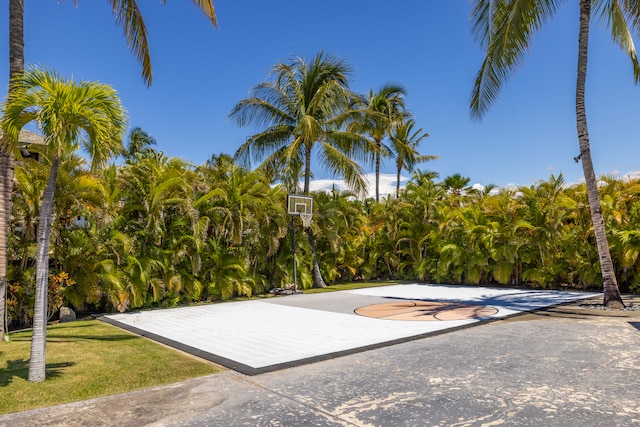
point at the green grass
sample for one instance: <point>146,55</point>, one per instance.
<point>329,288</point>
<point>87,359</point>
<point>352,285</point>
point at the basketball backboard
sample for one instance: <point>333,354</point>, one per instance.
<point>297,204</point>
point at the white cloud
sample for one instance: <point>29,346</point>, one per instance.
<point>511,186</point>
<point>478,186</point>
<point>631,175</point>
<point>327,184</point>
<point>387,184</point>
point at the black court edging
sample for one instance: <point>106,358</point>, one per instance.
<point>228,363</point>
<point>251,371</point>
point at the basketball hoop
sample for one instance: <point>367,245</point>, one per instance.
<point>306,219</point>
<point>301,206</point>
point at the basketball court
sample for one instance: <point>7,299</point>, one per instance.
<point>268,334</point>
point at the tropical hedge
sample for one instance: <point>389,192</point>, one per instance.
<point>157,231</point>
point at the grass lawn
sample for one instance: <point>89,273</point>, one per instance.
<point>87,359</point>
<point>353,285</point>
<point>329,288</point>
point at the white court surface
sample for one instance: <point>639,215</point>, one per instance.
<point>264,335</point>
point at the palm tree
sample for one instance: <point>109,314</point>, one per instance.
<point>505,29</point>
<point>156,206</point>
<point>139,145</point>
<point>7,159</point>
<point>31,178</point>
<point>341,221</point>
<point>382,109</point>
<point>301,109</point>
<point>128,15</point>
<point>405,143</point>
<point>67,113</point>
<point>423,193</point>
<point>242,205</point>
<point>79,191</point>
<point>456,184</point>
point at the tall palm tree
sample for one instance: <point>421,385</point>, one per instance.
<point>382,110</point>
<point>301,109</point>
<point>7,159</point>
<point>68,113</point>
<point>505,29</point>
<point>405,143</point>
<point>128,15</point>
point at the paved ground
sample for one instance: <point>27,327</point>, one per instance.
<point>265,335</point>
<point>563,366</point>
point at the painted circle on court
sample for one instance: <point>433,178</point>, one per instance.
<point>425,311</point>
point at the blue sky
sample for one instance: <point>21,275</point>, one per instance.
<point>200,73</point>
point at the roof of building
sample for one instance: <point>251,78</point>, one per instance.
<point>28,137</point>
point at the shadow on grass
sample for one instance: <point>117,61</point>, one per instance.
<point>19,368</point>
<point>75,325</point>
<point>74,338</point>
<point>53,330</point>
<point>62,337</point>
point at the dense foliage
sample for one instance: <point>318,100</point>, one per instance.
<point>158,231</point>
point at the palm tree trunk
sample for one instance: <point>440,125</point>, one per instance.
<point>307,169</point>
<point>7,161</point>
<point>379,147</point>
<point>612,296</point>
<point>398,181</point>
<point>318,281</point>
<point>6,188</point>
<point>37,361</point>
<point>16,36</point>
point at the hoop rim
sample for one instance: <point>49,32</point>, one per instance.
<point>306,218</point>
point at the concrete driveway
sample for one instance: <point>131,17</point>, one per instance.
<point>560,366</point>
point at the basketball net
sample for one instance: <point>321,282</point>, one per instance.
<point>306,219</point>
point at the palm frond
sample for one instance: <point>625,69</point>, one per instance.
<point>344,165</point>
<point>505,29</point>
<point>619,17</point>
<point>128,16</point>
